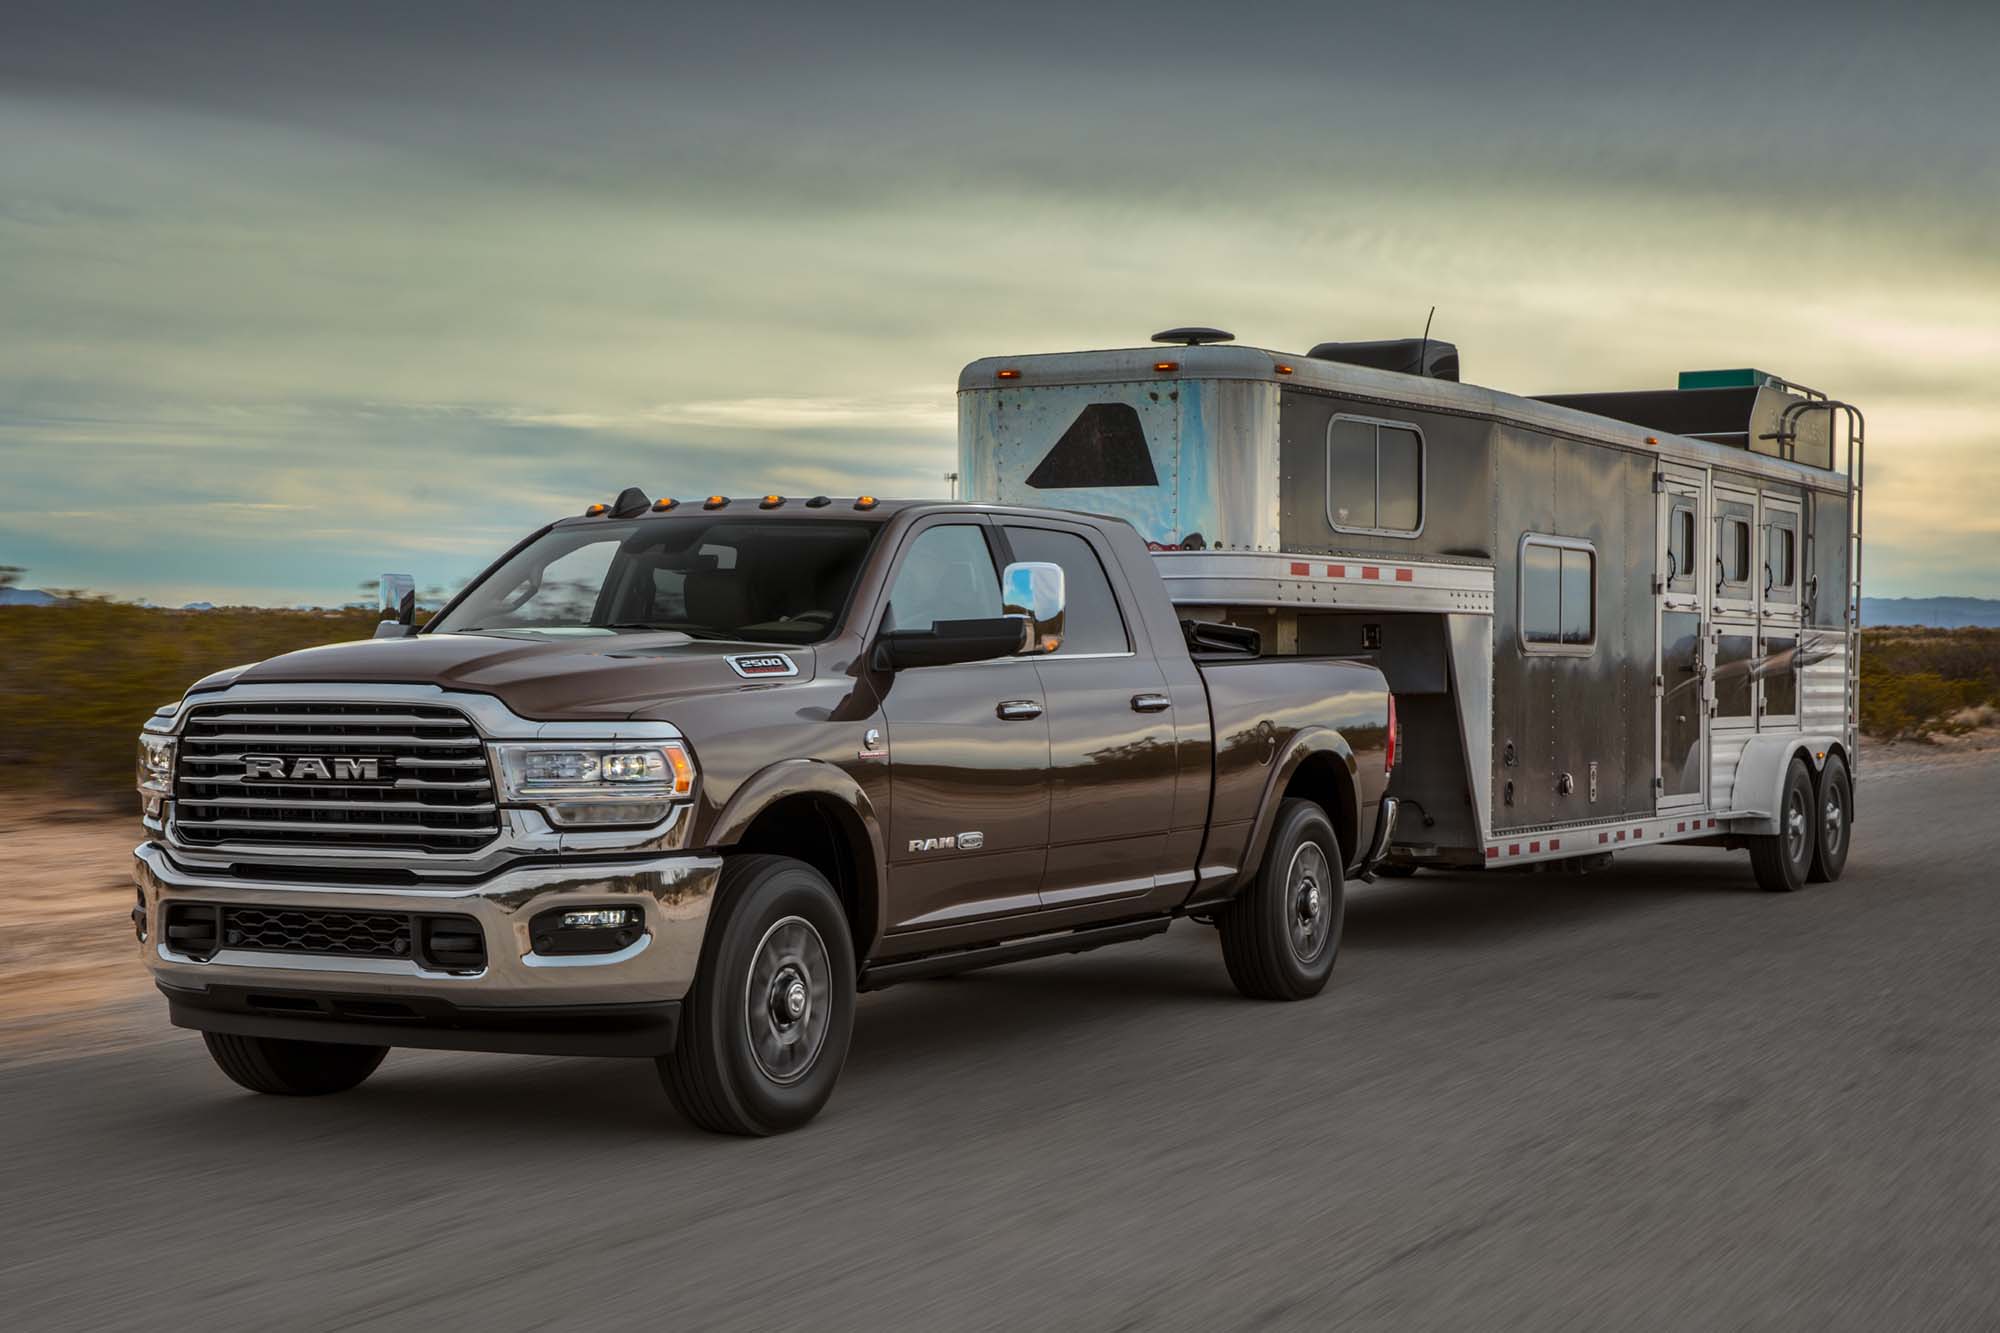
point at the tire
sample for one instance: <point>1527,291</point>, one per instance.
<point>1783,859</point>
<point>284,1068</point>
<point>757,1054</point>
<point>1836,822</point>
<point>1281,934</point>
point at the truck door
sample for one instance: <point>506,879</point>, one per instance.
<point>968,747</point>
<point>1681,581</point>
<point>1113,761</point>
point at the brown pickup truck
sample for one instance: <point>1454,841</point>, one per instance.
<point>678,779</point>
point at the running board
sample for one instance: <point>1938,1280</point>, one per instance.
<point>878,975</point>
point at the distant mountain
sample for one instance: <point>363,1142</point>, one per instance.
<point>1937,612</point>
<point>27,597</point>
<point>199,606</point>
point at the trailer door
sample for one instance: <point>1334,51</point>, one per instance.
<point>1680,752</point>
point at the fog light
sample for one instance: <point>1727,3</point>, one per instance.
<point>585,930</point>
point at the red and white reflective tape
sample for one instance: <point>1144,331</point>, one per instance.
<point>1303,569</point>
<point>1626,834</point>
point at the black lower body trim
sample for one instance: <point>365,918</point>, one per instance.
<point>426,1023</point>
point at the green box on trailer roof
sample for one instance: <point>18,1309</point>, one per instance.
<point>1729,379</point>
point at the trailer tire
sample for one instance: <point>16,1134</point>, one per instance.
<point>282,1068</point>
<point>765,1027</point>
<point>1783,859</point>
<point>1281,934</point>
<point>1836,822</point>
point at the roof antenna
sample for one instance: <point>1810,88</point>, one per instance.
<point>1424,352</point>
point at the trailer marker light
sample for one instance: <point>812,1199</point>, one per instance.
<point>771,502</point>
<point>664,503</point>
<point>1653,440</point>
<point>1282,368</point>
<point>1007,374</point>
<point>1166,367</point>
<point>866,502</point>
<point>715,502</point>
<point>595,510</point>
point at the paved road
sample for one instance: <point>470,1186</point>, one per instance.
<point>1653,1097</point>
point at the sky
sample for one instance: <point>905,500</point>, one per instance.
<point>294,294</point>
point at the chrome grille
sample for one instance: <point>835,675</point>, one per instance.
<point>428,788</point>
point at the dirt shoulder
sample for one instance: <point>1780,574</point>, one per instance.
<point>70,976</point>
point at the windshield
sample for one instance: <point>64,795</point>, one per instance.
<point>721,578</point>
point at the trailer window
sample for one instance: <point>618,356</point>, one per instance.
<point>1735,550</point>
<point>1680,544</point>
<point>1104,446</point>
<point>1783,557</point>
<point>1558,610</point>
<point>1374,476</point>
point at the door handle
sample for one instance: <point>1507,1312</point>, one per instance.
<point>1151,703</point>
<point>1017,710</point>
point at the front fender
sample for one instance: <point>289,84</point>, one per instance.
<point>810,777</point>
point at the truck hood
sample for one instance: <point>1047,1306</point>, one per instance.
<point>546,679</point>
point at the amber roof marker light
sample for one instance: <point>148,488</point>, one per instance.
<point>1282,368</point>
<point>664,503</point>
<point>866,502</point>
<point>1166,367</point>
<point>770,502</point>
<point>594,510</point>
<point>1007,374</point>
<point>715,502</point>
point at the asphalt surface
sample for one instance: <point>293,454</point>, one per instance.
<point>1650,1097</point>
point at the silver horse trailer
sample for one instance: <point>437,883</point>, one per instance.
<point>1609,619</point>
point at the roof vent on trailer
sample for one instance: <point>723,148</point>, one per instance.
<point>1428,357</point>
<point>1193,336</point>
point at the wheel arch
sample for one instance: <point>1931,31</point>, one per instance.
<point>1760,773</point>
<point>1318,765</point>
<point>814,812</point>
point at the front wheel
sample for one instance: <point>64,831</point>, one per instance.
<point>284,1068</point>
<point>1783,859</point>
<point>1280,936</point>
<point>1836,822</point>
<point>764,1030</point>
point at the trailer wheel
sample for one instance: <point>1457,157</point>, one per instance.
<point>1836,821</point>
<point>1280,936</point>
<point>284,1068</point>
<point>1783,859</point>
<point>764,1030</point>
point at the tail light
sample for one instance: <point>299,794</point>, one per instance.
<point>1389,751</point>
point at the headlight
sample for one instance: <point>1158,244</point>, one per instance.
<point>612,783</point>
<point>156,770</point>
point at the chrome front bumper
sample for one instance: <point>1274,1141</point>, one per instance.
<point>519,1000</point>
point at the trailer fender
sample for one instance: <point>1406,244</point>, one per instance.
<point>1760,776</point>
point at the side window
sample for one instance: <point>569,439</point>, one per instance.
<point>1091,620</point>
<point>1781,559</point>
<point>1680,544</point>
<point>1558,609</point>
<point>947,574</point>
<point>1374,476</point>
<point>1735,552</point>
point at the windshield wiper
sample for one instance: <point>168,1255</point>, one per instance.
<point>665,627</point>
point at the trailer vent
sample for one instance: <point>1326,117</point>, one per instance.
<point>1429,357</point>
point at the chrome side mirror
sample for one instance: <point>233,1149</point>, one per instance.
<point>1034,591</point>
<point>399,607</point>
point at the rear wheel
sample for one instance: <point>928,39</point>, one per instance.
<point>1783,859</point>
<point>1280,936</point>
<point>764,1030</point>
<point>1836,819</point>
<point>292,1068</point>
